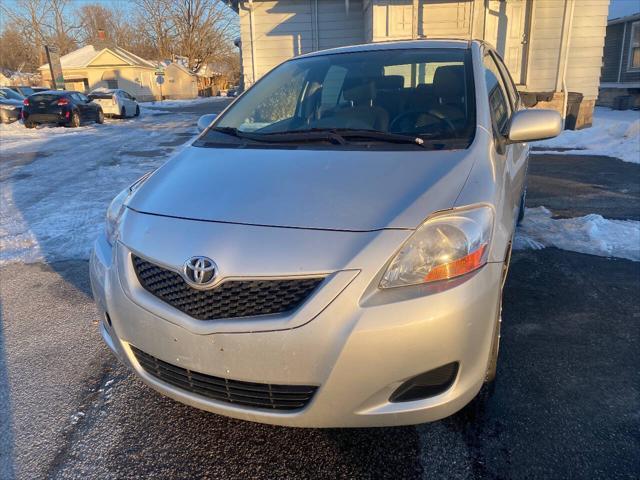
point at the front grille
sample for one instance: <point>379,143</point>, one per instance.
<point>256,395</point>
<point>230,299</point>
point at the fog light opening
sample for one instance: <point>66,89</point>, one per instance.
<point>427,384</point>
<point>107,318</point>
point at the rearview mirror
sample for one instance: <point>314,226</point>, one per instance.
<point>205,120</point>
<point>531,125</point>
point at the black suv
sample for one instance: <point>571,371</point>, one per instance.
<point>61,107</point>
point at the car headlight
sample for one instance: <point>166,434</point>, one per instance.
<point>444,246</point>
<point>117,208</point>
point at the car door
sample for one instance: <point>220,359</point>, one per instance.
<point>501,111</point>
<point>520,150</point>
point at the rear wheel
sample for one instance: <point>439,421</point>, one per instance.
<point>137,111</point>
<point>30,124</point>
<point>75,120</point>
<point>99,116</point>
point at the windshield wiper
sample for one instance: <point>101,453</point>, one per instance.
<point>343,134</point>
<point>284,137</point>
<point>379,135</point>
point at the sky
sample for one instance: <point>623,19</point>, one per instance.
<point>622,8</point>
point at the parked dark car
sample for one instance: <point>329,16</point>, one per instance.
<point>62,107</point>
<point>10,105</point>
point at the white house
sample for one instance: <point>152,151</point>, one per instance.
<point>550,46</point>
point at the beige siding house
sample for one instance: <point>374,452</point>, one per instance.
<point>92,67</point>
<point>550,46</point>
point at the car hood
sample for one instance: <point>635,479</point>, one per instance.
<point>315,189</point>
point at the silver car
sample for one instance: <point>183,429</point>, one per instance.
<point>331,250</point>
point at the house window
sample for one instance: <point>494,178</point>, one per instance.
<point>634,47</point>
<point>112,83</point>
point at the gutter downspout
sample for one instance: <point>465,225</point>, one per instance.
<point>624,38</point>
<point>567,49</point>
<point>253,43</point>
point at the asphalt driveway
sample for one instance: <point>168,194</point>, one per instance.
<point>566,403</point>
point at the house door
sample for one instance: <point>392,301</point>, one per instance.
<point>507,28</point>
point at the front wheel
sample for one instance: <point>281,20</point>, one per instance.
<point>523,199</point>
<point>100,116</point>
<point>137,111</point>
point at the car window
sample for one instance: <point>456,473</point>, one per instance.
<point>498,104</point>
<point>512,91</point>
<point>10,94</point>
<point>413,92</point>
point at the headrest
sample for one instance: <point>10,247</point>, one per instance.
<point>359,91</point>
<point>390,82</point>
<point>448,81</point>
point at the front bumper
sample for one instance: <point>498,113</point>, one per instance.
<point>358,348</point>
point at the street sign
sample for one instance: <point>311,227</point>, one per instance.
<point>53,56</point>
<point>159,79</point>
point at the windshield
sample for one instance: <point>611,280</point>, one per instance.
<point>10,94</point>
<point>425,93</point>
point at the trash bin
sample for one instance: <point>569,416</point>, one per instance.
<point>573,109</point>
<point>622,102</point>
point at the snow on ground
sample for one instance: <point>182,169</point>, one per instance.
<point>590,234</point>
<point>182,103</point>
<point>613,134</point>
<point>56,182</point>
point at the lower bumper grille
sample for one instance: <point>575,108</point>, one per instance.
<point>256,395</point>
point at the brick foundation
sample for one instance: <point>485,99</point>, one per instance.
<point>556,102</point>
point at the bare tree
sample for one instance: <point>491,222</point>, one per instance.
<point>155,24</point>
<point>30,17</point>
<point>62,30</point>
<point>202,29</point>
<point>13,49</point>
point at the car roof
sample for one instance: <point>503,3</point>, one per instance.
<point>395,45</point>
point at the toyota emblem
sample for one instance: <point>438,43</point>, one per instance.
<point>200,271</point>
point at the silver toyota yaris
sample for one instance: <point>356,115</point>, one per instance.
<point>331,250</point>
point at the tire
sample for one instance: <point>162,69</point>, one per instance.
<point>123,113</point>
<point>492,367</point>
<point>137,114</point>
<point>30,124</point>
<point>523,199</point>
<point>74,122</point>
<point>100,116</point>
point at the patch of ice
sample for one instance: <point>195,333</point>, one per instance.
<point>590,234</point>
<point>56,182</point>
<point>613,134</point>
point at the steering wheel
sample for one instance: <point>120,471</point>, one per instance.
<point>409,120</point>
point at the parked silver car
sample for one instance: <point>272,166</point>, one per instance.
<point>331,250</point>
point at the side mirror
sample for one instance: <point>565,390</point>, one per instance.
<point>205,120</point>
<point>531,125</point>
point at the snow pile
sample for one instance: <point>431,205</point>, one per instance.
<point>590,234</point>
<point>613,134</point>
